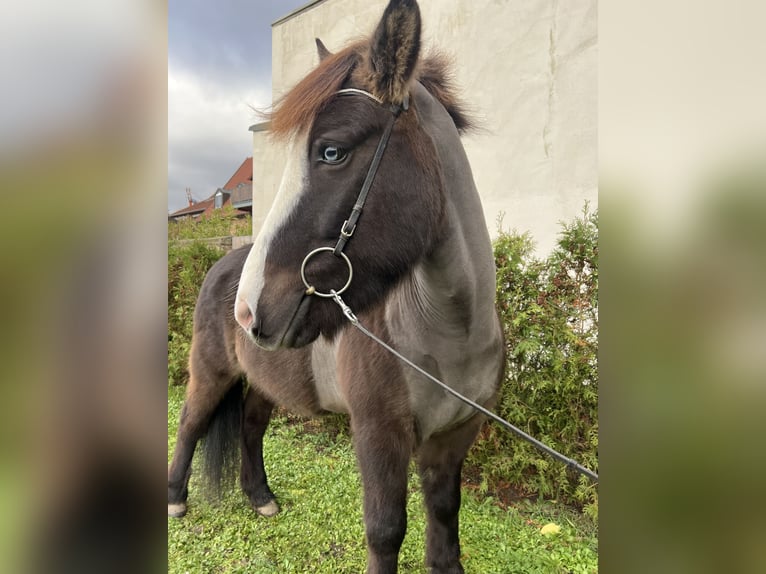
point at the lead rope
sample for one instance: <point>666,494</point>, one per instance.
<point>349,314</point>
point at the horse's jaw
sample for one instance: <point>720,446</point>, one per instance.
<point>298,333</point>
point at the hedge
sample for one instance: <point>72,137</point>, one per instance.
<point>187,267</point>
<point>219,223</point>
<point>549,309</point>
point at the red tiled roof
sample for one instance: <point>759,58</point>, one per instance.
<point>205,208</point>
<point>199,207</point>
<point>244,174</point>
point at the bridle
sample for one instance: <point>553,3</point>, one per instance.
<point>349,225</point>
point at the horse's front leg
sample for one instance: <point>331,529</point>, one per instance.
<point>440,461</point>
<point>383,448</point>
<point>383,430</point>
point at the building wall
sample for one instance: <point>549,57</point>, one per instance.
<point>268,163</point>
<point>528,70</point>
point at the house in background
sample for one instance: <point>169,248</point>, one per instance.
<point>240,187</point>
<point>237,192</point>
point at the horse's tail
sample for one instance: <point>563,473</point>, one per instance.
<point>221,445</point>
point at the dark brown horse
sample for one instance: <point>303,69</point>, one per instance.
<point>423,280</point>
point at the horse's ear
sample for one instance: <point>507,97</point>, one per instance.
<point>394,50</point>
<point>322,50</point>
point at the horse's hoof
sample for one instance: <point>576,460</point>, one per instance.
<point>177,510</point>
<point>269,509</point>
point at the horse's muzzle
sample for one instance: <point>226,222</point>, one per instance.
<point>295,333</point>
<point>243,313</point>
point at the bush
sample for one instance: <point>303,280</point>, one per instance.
<point>549,309</point>
<point>222,222</point>
<point>187,266</point>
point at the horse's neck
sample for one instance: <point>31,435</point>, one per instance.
<point>451,291</point>
<point>453,287</point>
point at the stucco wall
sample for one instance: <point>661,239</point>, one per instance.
<point>528,70</point>
<point>268,163</point>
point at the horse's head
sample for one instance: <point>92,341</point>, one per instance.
<point>333,121</point>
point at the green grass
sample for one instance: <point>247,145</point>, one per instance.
<point>320,528</point>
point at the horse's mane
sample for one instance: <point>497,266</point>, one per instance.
<point>296,110</point>
<point>435,73</point>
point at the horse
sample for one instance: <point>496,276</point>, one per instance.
<point>379,117</point>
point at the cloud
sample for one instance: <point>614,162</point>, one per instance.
<point>227,41</point>
<point>219,63</point>
<point>208,133</point>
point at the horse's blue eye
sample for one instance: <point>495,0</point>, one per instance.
<point>333,154</point>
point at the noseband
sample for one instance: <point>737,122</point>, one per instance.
<point>349,225</point>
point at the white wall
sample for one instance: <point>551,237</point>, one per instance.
<point>268,164</point>
<point>527,68</point>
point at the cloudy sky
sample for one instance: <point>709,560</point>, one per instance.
<point>219,64</point>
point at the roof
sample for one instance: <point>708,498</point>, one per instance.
<point>295,12</point>
<point>260,127</point>
<point>190,209</point>
<point>244,174</point>
<point>199,207</point>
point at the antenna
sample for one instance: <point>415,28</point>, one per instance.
<point>189,197</point>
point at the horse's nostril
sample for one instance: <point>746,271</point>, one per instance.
<point>243,314</point>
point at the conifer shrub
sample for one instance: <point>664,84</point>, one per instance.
<point>549,311</point>
<point>220,223</point>
<point>187,267</point>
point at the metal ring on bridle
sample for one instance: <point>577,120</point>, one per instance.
<point>310,289</point>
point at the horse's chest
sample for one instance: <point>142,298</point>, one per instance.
<point>324,370</point>
<point>431,407</point>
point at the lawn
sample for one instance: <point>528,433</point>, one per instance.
<point>320,529</point>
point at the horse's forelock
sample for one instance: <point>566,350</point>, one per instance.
<point>295,112</point>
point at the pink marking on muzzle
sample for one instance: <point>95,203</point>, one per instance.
<point>243,314</point>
